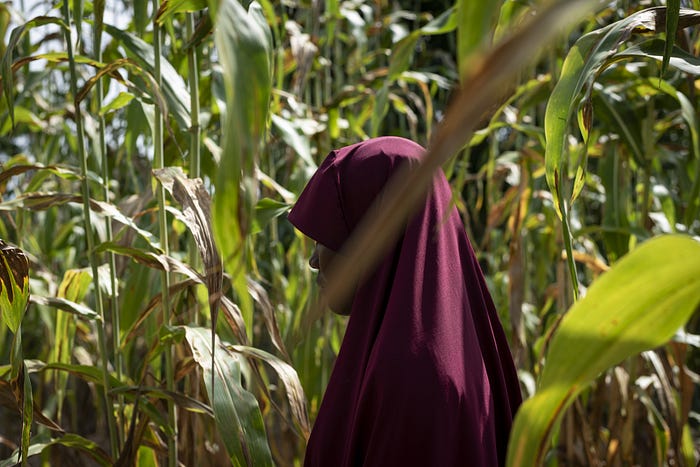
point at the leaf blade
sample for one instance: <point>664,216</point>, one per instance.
<point>626,311</point>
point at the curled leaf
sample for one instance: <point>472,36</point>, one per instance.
<point>14,285</point>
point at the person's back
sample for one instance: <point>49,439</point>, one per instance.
<point>424,375</point>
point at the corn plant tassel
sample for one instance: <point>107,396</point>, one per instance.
<point>158,163</point>
<point>87,221</point>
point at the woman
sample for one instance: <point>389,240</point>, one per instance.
<point>424,376</point>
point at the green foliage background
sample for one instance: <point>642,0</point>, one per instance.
<point>172,312</point>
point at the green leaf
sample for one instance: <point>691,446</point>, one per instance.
<point>400,60</point>
<point>72,289</point>
<point>122,100</point>
<point>157,261</point>
<point>169,7</point>
<point>69,440</point>
<point>586,59</point>
<point>236,410</point>
<point>296,140</point>
<point>290,379</point>
<point>174,88</point>
<point>41,201</point>
<point>14,285</point>
<point>637,305</point>
<point>511,14</point>
<point>655,49</point>
<point>6,62</point>
<point>266,210</point>
<point>181,400</point>
<point>673,8</point>
<point>477,21</point>
<point>19,169</point>
<point>141,18</point>
<point>23,115</point>
<point>75,284</point>
<point>244,45</point>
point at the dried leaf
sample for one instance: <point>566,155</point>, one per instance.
<point>288,375</point>
<point>14,285</point>
<point>196,209</point>
<point>260,296</point>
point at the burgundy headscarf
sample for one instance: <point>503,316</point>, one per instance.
<point>424,376</point>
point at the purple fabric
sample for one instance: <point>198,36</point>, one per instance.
<point>424,375</point>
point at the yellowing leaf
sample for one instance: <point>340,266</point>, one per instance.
<point>14,284</point>
<point>637,305</point>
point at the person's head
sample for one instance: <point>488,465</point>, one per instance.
<point>341,192</point>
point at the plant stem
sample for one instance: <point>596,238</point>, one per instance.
<point>193,71</point>
<point>568,240</point>
<point>158,162</point>
<point>102,150</point>
<point>194,153</point>
<point>648,142</point>
<point>87,220</point>
<point>195,132</point>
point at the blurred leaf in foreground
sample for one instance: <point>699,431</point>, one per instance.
<point>631,308</point>
<point>244,45</point>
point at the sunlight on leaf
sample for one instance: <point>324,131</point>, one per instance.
<point>14,285</point>
<point>121,101</point>
<point>629,309</point>
<point>169,7</point>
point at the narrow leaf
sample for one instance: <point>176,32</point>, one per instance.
<point>477,21</point>
<point>69,306</point>
<point>6,62</point>
<point>655,49</point>
<point>122,100</point>
<point>14,285</point>
<point>196,209</point>
<point>244,44</point>
<point>236,410</point>
<point>174,87</point>
<point>290,379</point>
<point>42,201</point>
<point>673,8</point>
<point>400,60</point>
<point>157,261</point>
<point>170,7</point>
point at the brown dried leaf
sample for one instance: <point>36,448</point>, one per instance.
<point>17,265</point>
<point>196,210</point>
<point>259,294</point>
<point>288,375</point>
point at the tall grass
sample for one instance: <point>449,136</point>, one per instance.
<point>172,314</point>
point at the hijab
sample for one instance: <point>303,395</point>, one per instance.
<point>424,375</point>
